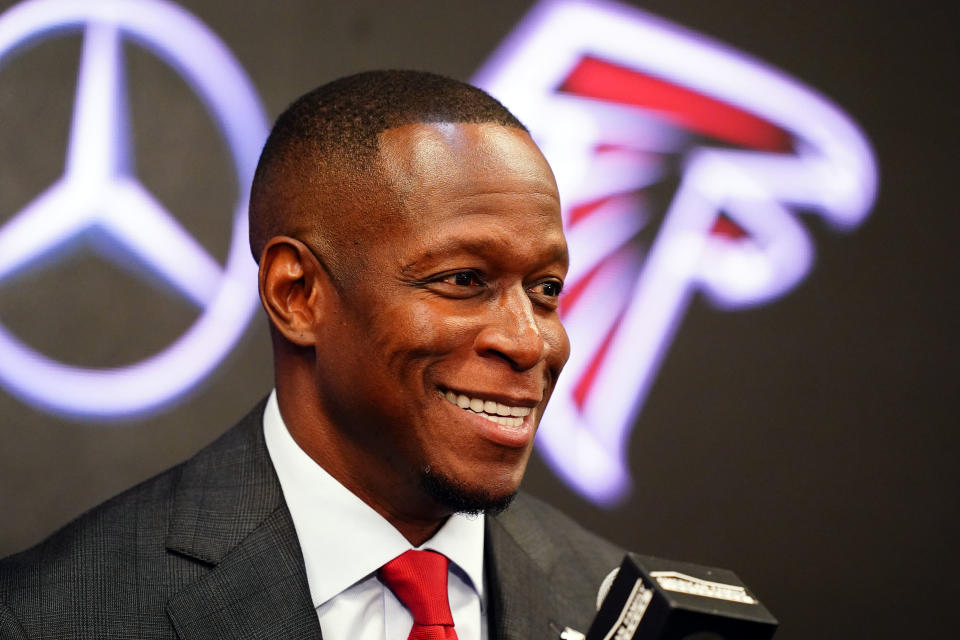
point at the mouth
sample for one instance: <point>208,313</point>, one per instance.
<point>505,415</point>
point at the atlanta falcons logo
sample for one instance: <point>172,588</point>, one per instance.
<point>683,166</point>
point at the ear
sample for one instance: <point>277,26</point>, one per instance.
<point>294,288</point>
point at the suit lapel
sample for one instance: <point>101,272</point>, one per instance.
<point>523,604</point>
<point>258,590</point>
<point>229,513</point>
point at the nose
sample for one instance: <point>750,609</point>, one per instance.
<point>513,332</point>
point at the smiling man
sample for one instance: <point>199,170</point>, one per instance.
<point>411,257</point>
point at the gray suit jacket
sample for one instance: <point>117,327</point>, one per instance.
<point>208,550</point>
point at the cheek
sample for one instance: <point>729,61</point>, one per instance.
<point>411,336</point>
<point>430,328</point>
<point>437,327</point>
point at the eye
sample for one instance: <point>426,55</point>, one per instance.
<point>548,290</point>
<point>457,284</point>
<point>463,279</point>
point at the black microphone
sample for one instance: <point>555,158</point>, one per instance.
<point>655,599</point>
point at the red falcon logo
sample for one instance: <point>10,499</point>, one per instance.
<point>682,166</point>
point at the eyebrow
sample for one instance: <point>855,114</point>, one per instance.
<point>479,246</point>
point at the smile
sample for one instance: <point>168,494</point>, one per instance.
<point>497,412</point>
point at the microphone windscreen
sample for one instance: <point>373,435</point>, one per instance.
<point>654,599</point>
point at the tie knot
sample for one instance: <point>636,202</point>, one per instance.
<point>419,580</point>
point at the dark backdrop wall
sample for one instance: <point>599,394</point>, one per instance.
<point>809,444</point>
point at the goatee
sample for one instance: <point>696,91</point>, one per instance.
<point>462,499</point>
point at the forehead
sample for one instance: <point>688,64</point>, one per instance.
<point>452,161</point>
<point>486,182</point>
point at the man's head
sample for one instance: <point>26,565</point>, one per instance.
<point>320,174</point>
<point>411,253</point>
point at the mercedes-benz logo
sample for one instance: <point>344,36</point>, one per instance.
<point>99,188</point>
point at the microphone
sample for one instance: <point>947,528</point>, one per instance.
<point>655,599</point>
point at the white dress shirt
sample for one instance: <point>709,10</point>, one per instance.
<point>344,541</point>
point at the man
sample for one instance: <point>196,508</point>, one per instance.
<point>411,257</point>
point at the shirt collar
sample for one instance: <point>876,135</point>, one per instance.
<point>343,539</point>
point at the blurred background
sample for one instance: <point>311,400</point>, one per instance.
<point>803,438</point>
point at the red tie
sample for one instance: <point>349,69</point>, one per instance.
<point>419,580</point>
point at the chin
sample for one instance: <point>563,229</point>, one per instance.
<point>461,497</point>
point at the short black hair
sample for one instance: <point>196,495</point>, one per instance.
<point>331,134</point>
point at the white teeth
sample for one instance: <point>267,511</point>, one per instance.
<point>506,422</point>
<point>501,414</point>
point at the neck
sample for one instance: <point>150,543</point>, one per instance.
<point>401,501</point>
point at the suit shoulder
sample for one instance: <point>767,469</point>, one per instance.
<point>134,521</point>
<point>120,537</point>
<point>111,559</point>
<point>112,565</point>
<point>128,524</point>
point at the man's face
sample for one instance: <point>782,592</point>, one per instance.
<point>446,344</point>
